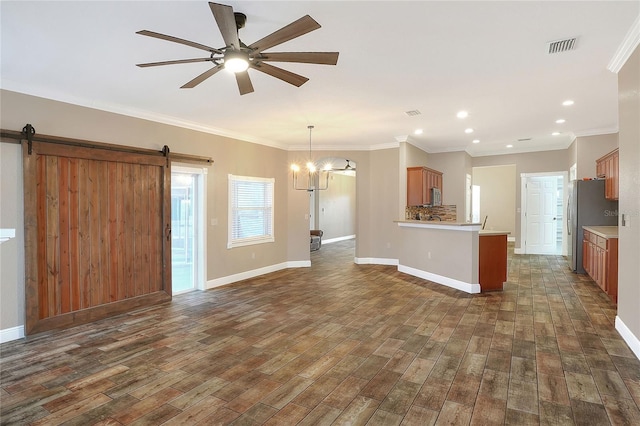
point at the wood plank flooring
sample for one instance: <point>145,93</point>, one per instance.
<point>339,343</point>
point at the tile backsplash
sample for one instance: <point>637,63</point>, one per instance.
<point>446,213</point>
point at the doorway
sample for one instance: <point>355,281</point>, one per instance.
<point>187,228</point>
<point>542,213</point>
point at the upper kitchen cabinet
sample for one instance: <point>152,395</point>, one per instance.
<point>420,180</point>
<point>607,168</point>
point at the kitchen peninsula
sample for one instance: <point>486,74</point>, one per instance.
<point>449,253</point>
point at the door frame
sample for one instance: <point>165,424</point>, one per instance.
<point>200,231</point>
<point>523,204</point>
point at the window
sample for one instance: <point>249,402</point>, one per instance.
<point>250,210</point>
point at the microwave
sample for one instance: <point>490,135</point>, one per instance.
<point>436,197</point>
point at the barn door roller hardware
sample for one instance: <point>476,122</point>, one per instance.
<point>29,131</point>
<point>165,151</point>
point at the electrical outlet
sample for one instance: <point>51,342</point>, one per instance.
<point>253,255</point>
<point>428,255</point>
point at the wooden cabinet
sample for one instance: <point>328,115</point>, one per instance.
<point>420,180</point>
<point>492,261</point>
<point>607,167</point>
<point>600,260</point>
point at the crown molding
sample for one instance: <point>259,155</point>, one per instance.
<point>595,132</point>
<point>626,48</point>
<point>136,113</point>
<point>376,147</point>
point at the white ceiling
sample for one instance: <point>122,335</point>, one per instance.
<point>488,58</point>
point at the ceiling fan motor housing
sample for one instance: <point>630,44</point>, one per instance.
<point>241,19</point>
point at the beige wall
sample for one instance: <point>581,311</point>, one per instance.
<point>498,205</point>
<point>337,207</point>
<point>530,162</point>
<point>572,155</point>
<point>629,205</point>
<point>589,149</point>
<point>447,253</point>
<point>454,167</point>
<point>11,252</point>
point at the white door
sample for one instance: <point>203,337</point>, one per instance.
<point>541,215</point>
<point>187,225</point>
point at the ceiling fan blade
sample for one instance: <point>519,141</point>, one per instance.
<point>295,29</point>
<point>227,23</point>
<point>284,75</point>
<point>244,82</point>
<point>322,58</point>
<point>179,61</point>
<point>178,40</point>
<point>202,77</point>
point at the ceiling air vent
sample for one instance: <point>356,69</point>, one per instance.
<point>412,113</point>
<point>560,46</point>
<point>524,139</point>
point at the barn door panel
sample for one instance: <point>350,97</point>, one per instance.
<point>96,233</point>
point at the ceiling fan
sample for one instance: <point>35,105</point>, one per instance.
<point>238,57</point>
<point>347,168</point>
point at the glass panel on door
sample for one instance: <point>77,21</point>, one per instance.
<point>183,203</point>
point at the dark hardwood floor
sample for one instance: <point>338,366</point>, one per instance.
<point>339,343</point>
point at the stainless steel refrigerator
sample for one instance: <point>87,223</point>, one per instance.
<point>586,206</point>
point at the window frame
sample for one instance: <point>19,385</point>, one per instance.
<point>268,236</point>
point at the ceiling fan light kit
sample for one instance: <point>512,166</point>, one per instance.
<point>236,61</point>
<point>237,57</point>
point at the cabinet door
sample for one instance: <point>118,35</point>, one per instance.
<point>415,185</point>
<point>615,175</point>
<point>600,168</point>
<point>602,268</point>
<point>426,187</point>
<point>586,258</point>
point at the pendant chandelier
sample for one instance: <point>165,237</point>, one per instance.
<point>317,178</point>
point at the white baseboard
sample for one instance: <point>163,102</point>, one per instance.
<point>13,333</point>
<point>335,240</point>
<point>518,250</point>
<point>375,261</point>
<point>217,282</point>
<point>628,336</point>
<point>449,282</point>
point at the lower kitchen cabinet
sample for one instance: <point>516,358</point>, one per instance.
<point>492,248</point>
<point>600,258</point>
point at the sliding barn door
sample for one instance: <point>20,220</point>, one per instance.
<point>97,233</point>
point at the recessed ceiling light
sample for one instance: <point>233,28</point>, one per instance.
<point>509,146</point>
<point>476,141</point>
<point>568,102</point>
<point>555,133</point>
<point>560,121</point>
<point>462,114</point>
<point>418,131</point>
<point>469,130</point>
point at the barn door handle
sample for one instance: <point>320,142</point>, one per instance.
<point>168,232</point>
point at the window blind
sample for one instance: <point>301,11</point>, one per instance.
<point>250,210</point>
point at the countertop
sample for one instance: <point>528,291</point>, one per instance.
<point>603,231</point>
<point>488,232</point>
<point>440,225</point>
